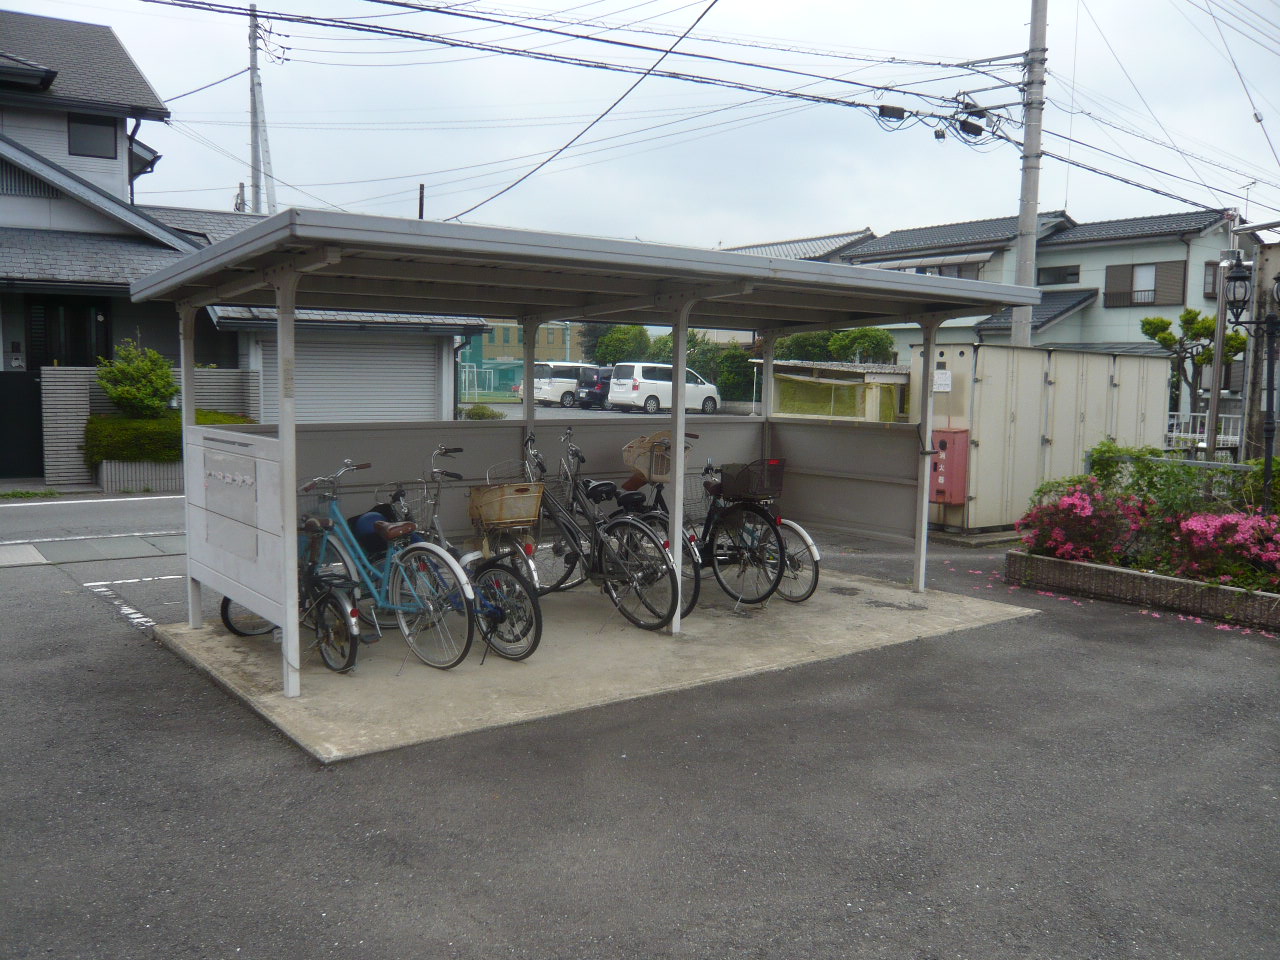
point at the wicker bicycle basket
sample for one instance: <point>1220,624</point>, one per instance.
<point>651,456</point>
<point>505,504</point>
<point>758,480</point>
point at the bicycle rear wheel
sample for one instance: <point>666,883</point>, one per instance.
<point>800,571</point>
<point>433,612</point>
<point>242,621</point>
<point>639,576</point>
<point>507,612</point>
<point>336,639</point>
<point>746,553</point>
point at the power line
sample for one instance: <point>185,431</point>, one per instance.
<point>576,137</point>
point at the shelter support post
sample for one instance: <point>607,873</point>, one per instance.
<point>530,334</point>
<point>925,473</point>
<point>769,340</point>
<point>679,388</point>
<point>187,368</point>
<point>285,282</point>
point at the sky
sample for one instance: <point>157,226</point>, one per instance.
<point>357,121</point>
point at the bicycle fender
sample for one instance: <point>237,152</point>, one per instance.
<point>804,535</point>
<point>454,566</point>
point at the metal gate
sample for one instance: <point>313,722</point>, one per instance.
<point>23,441</point>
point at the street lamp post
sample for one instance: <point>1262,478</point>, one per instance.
<point>1236,290</point>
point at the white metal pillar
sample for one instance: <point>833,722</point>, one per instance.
<point>530,334</point>
<point>187,369</point>
<point>285,281</point>
<point>770,338</point>
<point>679,388</point>
<point>924,475</point>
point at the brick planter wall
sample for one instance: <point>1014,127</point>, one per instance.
<point>119,476</point>
<point>1229,604</point>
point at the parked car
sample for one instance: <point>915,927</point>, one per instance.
<point>647,387</point>
<point>593,389</point>
<point>556,384</point>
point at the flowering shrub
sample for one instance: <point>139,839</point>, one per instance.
<point>1239,549</point>
<point>1084,523</point>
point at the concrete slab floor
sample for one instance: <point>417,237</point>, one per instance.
<point>589,656</point>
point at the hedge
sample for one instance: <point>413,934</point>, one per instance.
<point>113,436</point>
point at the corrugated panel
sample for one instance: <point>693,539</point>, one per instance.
<point>64,402</point>
<point>1008,424</point>
<point>349,380</point>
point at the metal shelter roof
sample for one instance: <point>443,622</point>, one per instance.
<point>352,261</point>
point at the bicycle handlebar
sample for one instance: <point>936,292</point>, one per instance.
<point>450,474</point>
<point>333,477</point>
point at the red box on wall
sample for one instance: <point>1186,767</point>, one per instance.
<point>950,473</point>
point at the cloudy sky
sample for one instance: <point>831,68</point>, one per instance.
<point>1154,91</point>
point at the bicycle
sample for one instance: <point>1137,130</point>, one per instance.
<point>416,581</point>
<point>739,538</point>
<point>507,612</point>
<point>576,542</point>
<point>326,601</point>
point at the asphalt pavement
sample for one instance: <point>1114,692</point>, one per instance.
<point>1094,781</point>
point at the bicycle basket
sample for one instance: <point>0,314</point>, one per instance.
<point>758,480</point>
<point>506,471</point>
<point>696,500</point>
<point>651,456</point>
<point>505,504</point>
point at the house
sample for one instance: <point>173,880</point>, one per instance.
<point>1100,279</point>
<point>491,362</point>
<point>72,102</point>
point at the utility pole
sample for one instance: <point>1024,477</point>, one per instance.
<point>1029,197</point>
<point>259,149</point>
<point>422,200</point>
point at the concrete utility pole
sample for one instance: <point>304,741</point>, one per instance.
<point>1029,198</point>
<point>259,149</point>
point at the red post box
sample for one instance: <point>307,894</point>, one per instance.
<point>950,473</point>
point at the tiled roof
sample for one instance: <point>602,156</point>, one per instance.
<point>255,316</point>
<point>93,66</point>
<point>1134,228</point>
<point>206,226</point>
<point>809,248</point>
<point>1053,305</point>
<point>999,232</point>
<point>65,256</point>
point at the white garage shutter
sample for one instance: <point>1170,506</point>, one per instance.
<point>358,378</point>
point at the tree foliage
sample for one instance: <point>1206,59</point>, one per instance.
<point>621,344</point>
<point>804,346</point>
<point>589,335</point>
<point>864,345</point>
<point>138,381</point>
<point>734,378</point>
<point>1191,344</point>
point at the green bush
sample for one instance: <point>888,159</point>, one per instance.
<point>482,411</point>
<point>113,436</point>
<point>138,381</point>
<point>735,380</point>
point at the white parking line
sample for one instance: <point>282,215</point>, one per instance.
<point>136,618</point>
<point>112,583</point>
<point>72,503</point>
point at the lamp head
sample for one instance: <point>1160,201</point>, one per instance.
<point>1236,288</point>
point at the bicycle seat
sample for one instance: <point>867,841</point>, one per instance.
<point>598,491</point>
<point>315,524</point>
<point>631,501</point>
<point>713,487</point>
<point>394,531</point>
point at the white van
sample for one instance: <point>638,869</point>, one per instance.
<point>647,387</point>
<point>556,384</point>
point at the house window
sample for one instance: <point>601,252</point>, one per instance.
<point>961,271</point>
<point>91,136</point>
<point>506,335</point>
<point>1145,284</point>
<point>1048,276</point>
<point>493,336</point>
<point>1211,280</point>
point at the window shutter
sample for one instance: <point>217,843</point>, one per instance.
<point>1171,282</point>
<point>1119,286</point>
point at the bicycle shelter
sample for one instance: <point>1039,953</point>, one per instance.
<point>241,482</point>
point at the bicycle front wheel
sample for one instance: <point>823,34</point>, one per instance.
<point>746,553</point>
<point>431,608</point>
<point>507,612</point>
<point>800,571</point>
<point>336,637</point>
<point>559,554</point>
<point>639,576</point>
<point>242,621</point>
<point>690,562</point>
